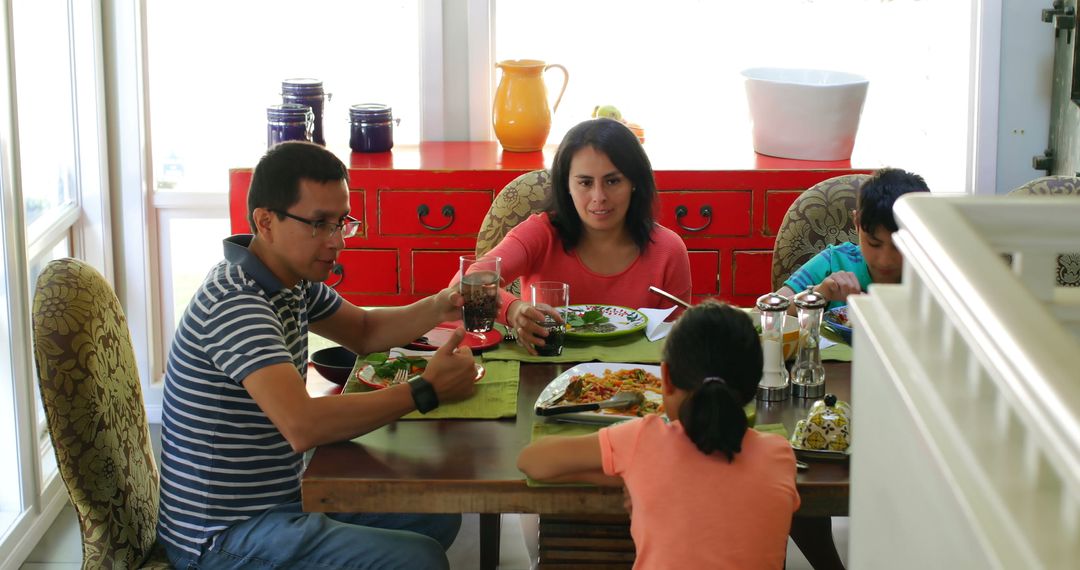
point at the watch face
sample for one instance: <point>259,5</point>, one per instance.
<point>423,395</point>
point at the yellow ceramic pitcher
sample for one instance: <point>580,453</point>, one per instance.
<point>520,113</point>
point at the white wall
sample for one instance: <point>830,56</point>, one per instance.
<point>1027,59</point>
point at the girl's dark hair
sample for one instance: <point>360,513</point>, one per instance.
<point>275,184</point>
<point>717,342</point>
<point>621,146</point>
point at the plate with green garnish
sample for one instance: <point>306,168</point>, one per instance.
<point>602,321</point>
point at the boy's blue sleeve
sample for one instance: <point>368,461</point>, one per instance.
<point>812,272</point>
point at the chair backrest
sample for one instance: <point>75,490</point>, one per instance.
<point>819,217</point>
<point>521,198</point>
<point>97,420</point>
<point>1068,270</point>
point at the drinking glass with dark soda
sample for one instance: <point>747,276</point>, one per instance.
<point>479,286</point>
<point>551,298</point>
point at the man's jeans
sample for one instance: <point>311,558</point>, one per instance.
<point>287,537</point>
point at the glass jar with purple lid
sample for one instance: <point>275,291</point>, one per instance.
<point>308,92</point>
<point>288,122</point>
<point>372,128</point>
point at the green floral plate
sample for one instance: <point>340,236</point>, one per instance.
<point>620,321</point>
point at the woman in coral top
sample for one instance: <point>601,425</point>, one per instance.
<point>597,232</point>
<point>706,492</point>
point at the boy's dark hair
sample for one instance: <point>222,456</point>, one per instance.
<point>876,197</point>
<point>621,146</point>
<point>275,184</point>
<point>714,341</point>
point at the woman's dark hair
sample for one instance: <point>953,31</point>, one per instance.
<point>876,197</point>
<point>275,184</point>
<point>713,353</point>
<point>621,146</point>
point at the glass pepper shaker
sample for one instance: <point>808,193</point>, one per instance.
<point>774,385</point>
<point>808,375</point>
<point>288,122</point>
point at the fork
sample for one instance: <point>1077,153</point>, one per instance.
<point>400,376</point>
<point>509,335</point>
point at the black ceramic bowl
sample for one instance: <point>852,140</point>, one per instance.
<point>334,363</point>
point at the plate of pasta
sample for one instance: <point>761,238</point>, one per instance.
<point>599,381</point>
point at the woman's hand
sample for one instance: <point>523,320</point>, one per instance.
<point>526,322</point>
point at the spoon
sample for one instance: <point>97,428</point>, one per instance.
<point>619,400</point>
<point>669,296</point>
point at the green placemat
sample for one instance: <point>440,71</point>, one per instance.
<point>838,351</point>
<point>778,429</point>
<point>630,348</point>
<point>496,395</point>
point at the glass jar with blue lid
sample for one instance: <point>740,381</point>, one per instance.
<point>288,122</point>
<point>372,128</point>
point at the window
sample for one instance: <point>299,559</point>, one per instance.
<point>676,70</point>
<point>213,68</point>
<point>51,172</point>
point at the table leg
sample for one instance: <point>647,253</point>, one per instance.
<point>490,524</point>
<point>813,536</point>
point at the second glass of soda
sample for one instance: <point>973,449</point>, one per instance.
<point>480,286</point>
<point>551,298</point>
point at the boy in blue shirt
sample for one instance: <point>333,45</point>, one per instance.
<point>849,269</point>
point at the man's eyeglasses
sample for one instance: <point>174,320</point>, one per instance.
<point>347,228</point>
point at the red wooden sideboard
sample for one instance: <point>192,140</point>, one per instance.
<point>421,207</point>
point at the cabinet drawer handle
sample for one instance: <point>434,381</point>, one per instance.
<point>705,211</point>
<point>447,212</point>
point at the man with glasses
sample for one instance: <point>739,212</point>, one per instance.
<point>236,417</point>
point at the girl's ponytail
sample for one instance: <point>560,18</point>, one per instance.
<point>714,419</point>
<point>714,354</point>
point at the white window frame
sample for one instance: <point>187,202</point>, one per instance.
<point>88,227</point>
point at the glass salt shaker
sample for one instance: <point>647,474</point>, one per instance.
<point>774,385</point>
<point>808,375</point>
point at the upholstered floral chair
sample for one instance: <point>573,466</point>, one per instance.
<point>97,421</point>
<point>521,198</point>
<point>820,216</point>
<point>1068,270</point>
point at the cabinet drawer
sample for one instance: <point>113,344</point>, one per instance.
<point>368,271</point>
<point>704,272</point>
<point>751,273</point>
<point>777,203</point>
<point>432,270</point>
<point>356,205</point>
<point>703,214</point>
<point>443,213</point>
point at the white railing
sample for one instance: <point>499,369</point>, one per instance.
<point>966,385</point>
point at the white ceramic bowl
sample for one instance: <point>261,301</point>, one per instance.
<point>807,114</point>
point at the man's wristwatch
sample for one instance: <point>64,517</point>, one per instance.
<point>423,394</point>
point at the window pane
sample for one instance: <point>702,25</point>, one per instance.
<point>192,246</point>
<point>676,71</point>
<point>214,67</point>
<point>45,108</point>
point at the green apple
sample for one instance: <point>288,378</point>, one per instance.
<point>607,111</point>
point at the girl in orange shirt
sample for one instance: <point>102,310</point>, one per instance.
<point>706,491</point>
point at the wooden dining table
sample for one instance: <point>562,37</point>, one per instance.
<point>469,466</point>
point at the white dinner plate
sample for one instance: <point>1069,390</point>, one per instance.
<point>558,386</point>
